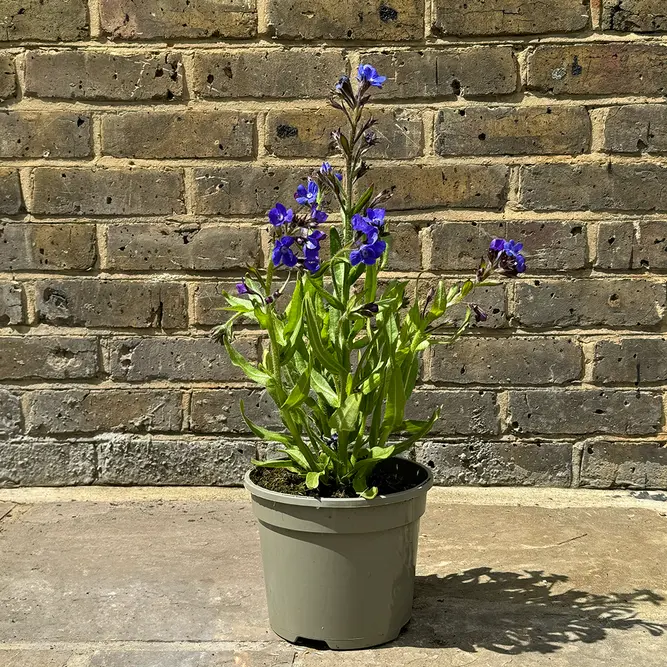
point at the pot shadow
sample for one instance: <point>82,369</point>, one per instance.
<point>517,612</point>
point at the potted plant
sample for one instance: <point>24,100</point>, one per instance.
<point>339,507</point>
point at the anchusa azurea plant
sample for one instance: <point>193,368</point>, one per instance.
<point>343,354</point>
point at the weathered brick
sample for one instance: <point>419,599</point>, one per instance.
<point>630,360</point>
<point>245,189</point>
<point>47,247</point>
<point>614,246</point>
<point>634,15</point>
<point>112,303</point>
<point>649,249</point>
<point>11,303</point>
<point>454,186</point>
<point>44,20</point>
<point>634,128</point>
<point>583,411</point>
<point>46,463</point>
<point>469,72</point>
<point>7,77</point>
<point>618,68</point>
<point>375,20</point>
<point>595,187</point>
<point>154,246</point>
<point>188,134</point>
<point>404,248</point>
<point>35,134</point>
<point>90,411</point>
<point>10,192</point>
<point>526,361</point>
<point>178,359</point>
<point>208,301</point>
<point>511,130</point>
<point>48,358</point>
<point>508,17</point>
<point>169,19</point>
<point>461,412</point>
<point>10,413</point>
<point>100,191</point>
<point>155,461</point>
<point>99,75</point>
<point>307,132</point>
<point>498,463</point>
<point>549,244</point>
<point>607,303</point>
<point>218,410</point>
<point>614,464</point>
<point>310,73</point>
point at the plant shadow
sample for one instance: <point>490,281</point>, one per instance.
<point>518,612</point>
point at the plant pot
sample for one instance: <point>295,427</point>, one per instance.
<point>341,571</point>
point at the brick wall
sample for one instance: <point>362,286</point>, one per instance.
<point>141,142</point>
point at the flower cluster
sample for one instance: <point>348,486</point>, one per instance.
<point>368,245</point>
<point>506,257</point>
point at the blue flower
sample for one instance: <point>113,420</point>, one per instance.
<point>342,81</point>
<point>307,195</point>
<point>282,253</point>
<point>375,216</point>
<point>317,216</point>
<point>507,255</point>
<point>326,168</point>
<point>368,253</point>
<point>314,238</point>
<point>368,74</point>
<point>363,225</point>
<point>241,288</point>
<point>279,215</point>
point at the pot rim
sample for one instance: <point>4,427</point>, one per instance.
<point>257,491</point>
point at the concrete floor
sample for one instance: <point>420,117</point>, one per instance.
<point>106,577</point>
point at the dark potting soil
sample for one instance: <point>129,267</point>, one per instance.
<point>391,476</point>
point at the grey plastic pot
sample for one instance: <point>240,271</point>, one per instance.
<point>340,571</point>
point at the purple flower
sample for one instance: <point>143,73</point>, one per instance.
<point>241,288</point>
<point>342,82</point>
<point>317,216</point>
<point>375,216</point>
<point>507,256</point>
<point>279,215</point>
<point>282,253</point>
<point>307,195</point>
<point>314,238</point>
<point>368,74</point>
<point>368,253</point>
<point>326,168</point>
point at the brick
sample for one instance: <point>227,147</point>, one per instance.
<point>498,463</point>
<point>584,411</point>
<point>598,69</point>
<point>511,130</point>
<point>307,132</point>
<point>454,186</point>
<point>208,301</point>
<point>157,246</point>
<point>169,19</point>
<point>634,15</point>
<point>596,187</point>
<point>177,359</point>
<point>10,414</point>
<point>523,361</point>
<point>44,20</point>
<point>404,248</point>
<point>650,245</point>
<point>100,191</point>
<point>48,358</point>
<point>170,134</point>
<point>98,75</point>
<point>10,192</point>
<point>282,74</point>
<point>7,77</point>
<point>32,134</point>
<point>614,246</point>
<point>47,247</point>
<point>548,245</point>
<point>218,410</point>
<point>508,17</point>
<point>605,303</point>
<point>155,461</point>
<point>469,72</point>
<point>630,360</point>
<point>245,189</point>
<point>11,304</point>
<point>461,412</point>
<point>46,463</point>
<point>70,411</point>
<point>634,128</point>
<point>614,464</point>
<point>375,20</point>
<point>112,303</point>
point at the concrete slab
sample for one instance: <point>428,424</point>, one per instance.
<point>177,583</point>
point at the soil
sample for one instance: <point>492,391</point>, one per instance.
<point>391,476</point>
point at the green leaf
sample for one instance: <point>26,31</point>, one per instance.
<point>251,371</point>
<point>322,387</point>
<point>300,391</point>
<point>381,453</point>
<point>327,359</point>
<point>363,201</point>
<point>344,420</point>
<point>417,434</point>
<point>327,296</point>
<point>261,432</point>
<point>275,463</point>
<point>370,493</point>
<point>313,479</point>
